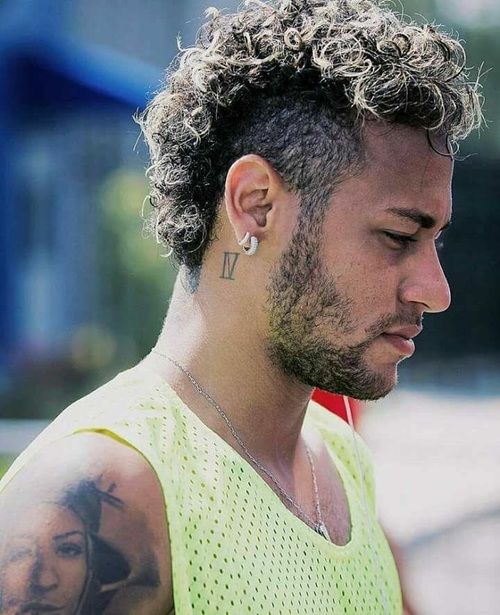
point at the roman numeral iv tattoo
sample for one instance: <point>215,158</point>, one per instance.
<point>230,259</point>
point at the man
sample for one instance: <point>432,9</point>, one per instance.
<point>315,136</point>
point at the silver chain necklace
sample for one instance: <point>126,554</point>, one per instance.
<point>318,526</point>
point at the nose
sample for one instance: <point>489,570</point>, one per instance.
<point>44,577</point>
<point>426,283</point>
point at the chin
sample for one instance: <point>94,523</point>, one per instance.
<point>375,385</point>
<point>388,382</point>
<point>372,385</point>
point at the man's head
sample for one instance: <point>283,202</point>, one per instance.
<point>372,268</point>
<point>302,123</point>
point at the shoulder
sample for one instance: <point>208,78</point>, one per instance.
<point>89,510</point>
<point>132,407</point>
<point>347,446</point>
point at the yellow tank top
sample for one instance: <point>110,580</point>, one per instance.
<point>235,547</point>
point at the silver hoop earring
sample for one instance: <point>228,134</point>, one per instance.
<point>254,244</point>
<point>245,239</point>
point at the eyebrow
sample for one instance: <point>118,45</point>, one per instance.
<point>416,215</point>
<point>67,534</point>
<point>23,536</point>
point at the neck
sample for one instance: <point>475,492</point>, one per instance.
<point>227,358</point>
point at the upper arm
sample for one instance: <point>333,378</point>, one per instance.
<point>83,528</point>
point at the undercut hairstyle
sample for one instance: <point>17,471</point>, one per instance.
<point>293,82</point>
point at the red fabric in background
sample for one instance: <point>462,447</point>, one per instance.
<point>335,403</point>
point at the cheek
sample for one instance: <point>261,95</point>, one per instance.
<point>69,592</point>
<point>365,274</point>
<point>373,297</point>
<point>15,579</point>
<point>72,574</point>
<point>373,281</point>
<point>358,279</point>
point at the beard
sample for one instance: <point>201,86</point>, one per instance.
<point>305,308</point>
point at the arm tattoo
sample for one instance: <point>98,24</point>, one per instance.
<point>56,558</point>
<point>230,259</point>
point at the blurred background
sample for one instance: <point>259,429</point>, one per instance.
<point>83,293</point>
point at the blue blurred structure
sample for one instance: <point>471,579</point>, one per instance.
<point>50,85</point>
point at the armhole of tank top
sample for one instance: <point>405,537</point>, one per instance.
<point>30,452</point>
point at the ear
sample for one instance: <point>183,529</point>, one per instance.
<point>252,185</point>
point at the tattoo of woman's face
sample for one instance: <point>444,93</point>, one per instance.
<point>44,568</point>
<point>54,559</point>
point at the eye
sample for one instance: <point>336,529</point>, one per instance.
<point>19,554</point>
<point>70,550</point>
<point>402,240</point>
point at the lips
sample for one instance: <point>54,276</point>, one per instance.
<point>403,345</point>
<point>407,332</point>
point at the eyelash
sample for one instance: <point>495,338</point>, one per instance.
<point>405,241</point>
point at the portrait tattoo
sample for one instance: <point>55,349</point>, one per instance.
<point>55,558</point>
<point>230,259</point>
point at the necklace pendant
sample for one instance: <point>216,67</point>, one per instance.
<point>321,529</point>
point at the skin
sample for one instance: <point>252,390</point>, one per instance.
<point>46,565</point>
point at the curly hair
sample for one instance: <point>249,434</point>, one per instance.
<point>293,82</point>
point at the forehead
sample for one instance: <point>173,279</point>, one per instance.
<point>46,518</point>
<point>401,168</point>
